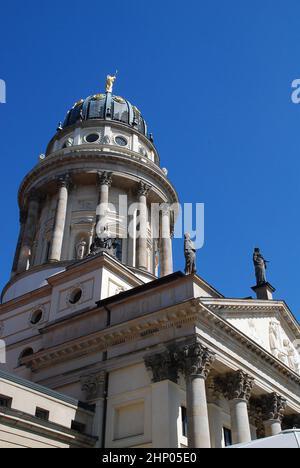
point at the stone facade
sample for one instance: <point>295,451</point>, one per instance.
<point>162,359</point>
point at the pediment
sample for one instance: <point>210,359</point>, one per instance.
<point>271,326</point>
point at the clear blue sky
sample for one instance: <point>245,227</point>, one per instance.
<point>213,79</point>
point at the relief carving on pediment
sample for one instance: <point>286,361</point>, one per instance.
<point>282,348</point>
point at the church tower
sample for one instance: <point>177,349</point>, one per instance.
<point>105,346</point>
<point>100,168</point>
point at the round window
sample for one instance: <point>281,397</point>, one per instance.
<point>121,141</point>
<point>36,317</point>
<point>92,138</point>
<point>75,296</point>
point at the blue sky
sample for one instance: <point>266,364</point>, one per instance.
<point>213,80</point>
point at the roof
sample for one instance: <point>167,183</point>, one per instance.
<point>106,107</point>
<point>287,439</point>
<point>44,390</point>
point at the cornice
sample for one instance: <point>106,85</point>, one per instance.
<point>80,153</point>
<point>192,311</point>
<point>25,299</point>
<point>89,264</point>
<point>238,306</point>
<point>27,422</point>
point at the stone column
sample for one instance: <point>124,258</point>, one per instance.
<point>93,386</point>
<point>60,219</point>
<point>104,183</point>
<point>236,388</point>
<point>166,399</point>
<point>195,362</point>
<point>273,407</point>
<point>142,247</point>
<point>29,231</point>
<point>166,263</point>
<point>215,414</point>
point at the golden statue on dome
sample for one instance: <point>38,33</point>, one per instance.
<point>110,82</point>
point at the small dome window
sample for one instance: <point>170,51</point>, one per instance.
<point>92,138</point>
<point>121,141</point>
<point>36,317</point>
<point>75,296</point>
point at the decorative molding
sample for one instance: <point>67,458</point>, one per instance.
<point>273,407</point>
<point>182,315</point>
<point>143,189</point>
<point>194,359</point>
<point>64,181</point>
<point>162,366</point>
<point>235,385</point>
<point>61,158</point>
<point>93,385</point>
<point>104,178</point>
<point>291,421</point>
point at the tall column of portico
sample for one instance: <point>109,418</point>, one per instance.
<point>236,388</point>
<point>166,399</point>
<point>104,181</point>
<point>29,231</point>
<point>166,261</point>
<point>60,219</point>
<point>215,415</point>
<point>195,362</point>
<point>272,408</point>
<point>142,234</point>
<point>93,385</point>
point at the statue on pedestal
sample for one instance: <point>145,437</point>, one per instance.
<point>190,255</point>
<point>104,243</point>
<point>260,265</point>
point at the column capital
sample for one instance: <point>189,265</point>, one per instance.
<point>93,385</point>
<point>290,421</point>
<point>64,181</point>
<point>104,178</point>
<point>272,407</point>
<point>194,359</point>
<point>235,385</point>
<point>143,189</point>
<point>162,366</point>
<point>165,209</point>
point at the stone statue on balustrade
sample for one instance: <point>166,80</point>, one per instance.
<point>104,242</point>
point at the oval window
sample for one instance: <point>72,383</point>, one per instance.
<point>92,138</point>
<point>121,141</point>
<point>36,317</point>
<point>75,296</point>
